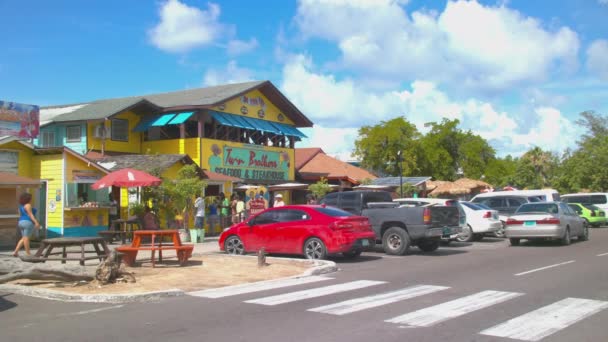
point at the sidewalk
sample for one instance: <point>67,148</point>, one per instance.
<point>209,246</point>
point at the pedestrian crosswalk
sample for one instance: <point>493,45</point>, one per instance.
<point>531,326</point>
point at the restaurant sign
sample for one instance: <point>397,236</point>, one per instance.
<point>19,120</point>
<point>249,163</point>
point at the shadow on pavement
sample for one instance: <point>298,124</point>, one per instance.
<point>6,304</point>
<point>544,243</point>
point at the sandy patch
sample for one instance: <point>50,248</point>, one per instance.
<point>209,271</point>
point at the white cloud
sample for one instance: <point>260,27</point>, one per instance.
<point>238,47</point>
<point>467,44</point>
<point>597,58</point>
<point>232,73</point>
<point>183,27</point>
<point>603,2</point>
<point>340,107</point>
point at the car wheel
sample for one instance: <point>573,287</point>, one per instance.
<point>396,241</point>
<point>314,248</point>
<point>566,238</point>
<point>234,245</point>
<point>477,237</point>
<point>428,245</point>
<point>500,233</point>
<point>466,235</point>
<point>514,241</point>
<point>351,254</point>
<point>585,234</point>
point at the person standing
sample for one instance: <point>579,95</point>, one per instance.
<point>199,221</point>
<point>27,223</point>
<point>234,199</point>
<point>224,206</point>
<point>278,201</point>
<point>113,212</point>
<point>213,218</point>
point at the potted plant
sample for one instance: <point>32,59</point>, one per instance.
<point>182,191</point>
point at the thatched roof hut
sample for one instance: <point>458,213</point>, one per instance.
<point>463,186</point>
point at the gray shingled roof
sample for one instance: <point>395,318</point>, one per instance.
<point>101,109</point>
<point>144,162</point>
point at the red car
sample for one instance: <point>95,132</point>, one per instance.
<point>310,230</point>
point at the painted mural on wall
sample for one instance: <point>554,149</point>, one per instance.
<point>256,199</point>
<point>248,162</point>
<point>20,120</point>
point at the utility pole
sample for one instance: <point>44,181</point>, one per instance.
<point>400,174</point>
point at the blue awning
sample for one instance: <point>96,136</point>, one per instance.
<point>180,118</point>
<point>240,121</point>
<point>163,120</point>
<point>145,123</point>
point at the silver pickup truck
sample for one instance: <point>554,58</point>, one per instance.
<point>398,228</point>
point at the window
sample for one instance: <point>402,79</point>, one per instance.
<point>9,161</point>
<point>330,199</point>
<point>120,130</point>
<point>349,201</point>
<point>576,208</point>
<point>598,199</point>
<point>292,215</point>
<point>540,207</point>
<point>47,139</point>
<point>576,199</point>
<point>496,202</point>
<point>333,212</point>
<point>515,201</point>
<point>268,217</point>
<point>73,133</point>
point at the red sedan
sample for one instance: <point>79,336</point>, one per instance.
<point>310,230</point>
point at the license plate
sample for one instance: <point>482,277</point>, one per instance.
<point>530,223</point>
<point>365,243</point>
<point>447,231</point>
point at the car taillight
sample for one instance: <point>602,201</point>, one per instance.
<point>548,221</point>
<point>340,225</point>
<point>487,215</point>
<point>426,216</point>
<point>511,221</point>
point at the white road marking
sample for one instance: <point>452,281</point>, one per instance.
<point>363,303</point>
<point>312,293</point>
<point>255,287</point>
<point>543,268</point>
<point>602,254</point>
<point>547,320</point>
<point>85,312</point>
<point>436,314</point>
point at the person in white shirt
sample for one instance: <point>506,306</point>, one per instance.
<point>278,201</point>
<point>199,204</point>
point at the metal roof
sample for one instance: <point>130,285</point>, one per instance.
<point>394,181</point>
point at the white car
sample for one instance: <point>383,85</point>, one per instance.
<point>480,221</point>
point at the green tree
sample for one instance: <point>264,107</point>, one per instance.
<point>182,191</point>
<point>320,188</point>
<point>501,171</point>
<point>377,147</point>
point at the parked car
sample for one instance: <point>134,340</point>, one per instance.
<point>480,221</point>
<point>427,201</point>
<point>591,213</point>
<point>398,228</point>
<point>506,202</point>
<point>546,220</point>
<point>599,199</point>
<point>314,231</point>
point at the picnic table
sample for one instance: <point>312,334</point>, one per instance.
<point>44,252</point>
<point>125,231</point>
<point>184,252</point>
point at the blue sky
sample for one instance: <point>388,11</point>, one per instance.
<point>516,72</point>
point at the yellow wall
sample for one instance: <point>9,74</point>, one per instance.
<point>131,146</point>
<point>24,168</point>
<point>190,146</point>
<point>271,112</point>
<point>240,166</point>
<point>50,168</point>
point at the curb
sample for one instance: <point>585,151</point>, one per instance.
<point>319,267</point>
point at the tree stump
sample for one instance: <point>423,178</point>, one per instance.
<point>109,270</point>
<point>14,269</point>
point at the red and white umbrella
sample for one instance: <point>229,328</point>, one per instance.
<point>126,178</point>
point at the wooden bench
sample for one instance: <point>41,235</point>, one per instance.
<point>184,252</point>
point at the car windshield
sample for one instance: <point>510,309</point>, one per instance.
<point>483,206</point>
<point>550,208</point>
<point>591,207</point>
<point>473,206</point>
<point>334,212</point>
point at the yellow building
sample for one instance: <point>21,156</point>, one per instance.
<point>245,131</point>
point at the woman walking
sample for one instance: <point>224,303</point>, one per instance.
<point>27,223</point>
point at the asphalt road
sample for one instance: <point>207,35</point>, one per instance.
<point>485,291</point>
